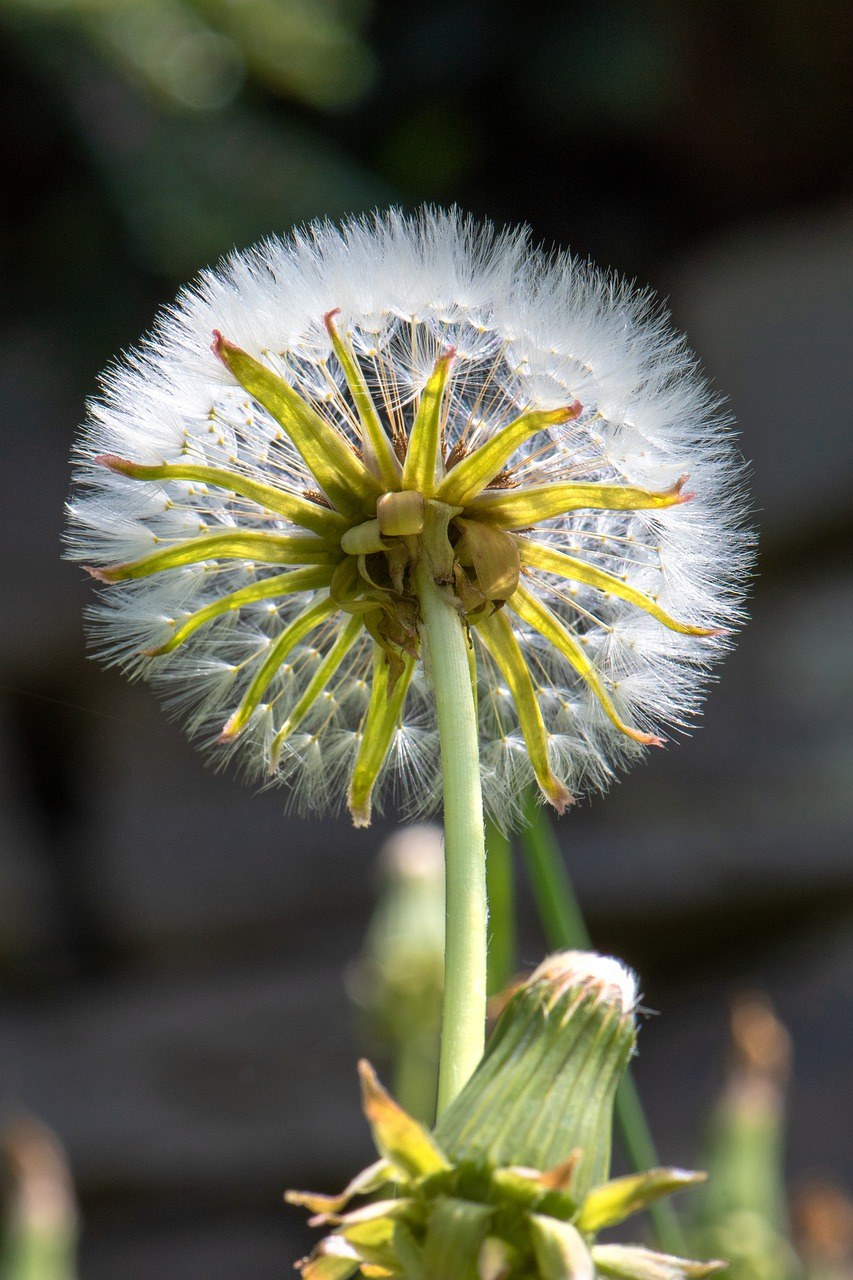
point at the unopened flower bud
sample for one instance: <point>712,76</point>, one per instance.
<point>398,980</point>
<point>546,1083</point>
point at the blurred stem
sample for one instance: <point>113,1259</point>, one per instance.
<point>564,926</point>
<point>414,1074</point>
<point>501,893</point>
<point>466,909</point>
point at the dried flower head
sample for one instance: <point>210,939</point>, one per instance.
<point>397,391</point>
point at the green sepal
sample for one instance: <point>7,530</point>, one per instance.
<point>493,555</point>
<point>387,697</point>
<point>363,1184</point>
<point>560,1249</point>
<point>630,1262</point>
<point>618,1199</point>
<point>498,1259</point>
<point>400,514</point>
<point>436,551</point>
<point>311,515</point>
<point>534,1190</point>
<point>538,556</point>
<point>363,539</point>
<point>521,508</point>
<point>409,1252</point>
<point>333,1259</point>
<point>374,438</point>
<point>499,640</point>
<point>282,584</point>
<point>263,548</point>
<point>399,1138</point>
<point>338,471</point>
<point>455,1231</point>
<point>349,590</point>
<point>278,651</point>
<point>422,454</point>
<point>315,686</point>
<point>538,615</point>
<point>479,468</point>
<point>371,1230</point>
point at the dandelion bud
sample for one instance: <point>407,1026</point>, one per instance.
<point>513,1183</point>
<point>39,1235</point>
<point>742,1214</point>
<point>545,1086</point>
<point>398,980</point>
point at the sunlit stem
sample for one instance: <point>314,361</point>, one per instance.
<point>466,910</point>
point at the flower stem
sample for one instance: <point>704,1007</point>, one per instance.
<point>564,926</point>
<point>466,911</point>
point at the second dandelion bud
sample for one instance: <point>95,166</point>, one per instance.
<point>394,409</point>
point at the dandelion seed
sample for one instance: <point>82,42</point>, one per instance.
<point>400,391</point>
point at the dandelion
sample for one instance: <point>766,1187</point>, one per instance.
<point>398,393</point>
<point>407,501</point>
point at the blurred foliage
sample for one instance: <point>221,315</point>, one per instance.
<point>621,131</point>
<point>743,1209</point>
<point>178,110</point>
<point>195,54</point>
<point>39,1234</point>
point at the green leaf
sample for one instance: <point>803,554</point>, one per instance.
<point>278,651</point>
<point>520,508</point>
<point>630,1262</point>
<point>262,548</point>
<point>398,1137</point>
<point>340,474</point>
<point>374,437</point>
<point>464,481</point>
<point>282,584</point>
<point>560,1249</point>
<point>546,622</point>
<point>621,1197</point>
<point>321,520</point>
<point>538,556</point>
<point>497,636</point>
<point>377,729</point>
<point>422,455</point>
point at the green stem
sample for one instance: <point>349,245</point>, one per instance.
<point>501,892</point>
<point>564,926</point>
<point>466,910</point>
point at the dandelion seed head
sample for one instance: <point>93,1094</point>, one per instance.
<point>262,582</point>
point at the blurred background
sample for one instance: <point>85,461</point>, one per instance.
<point>173,948</point>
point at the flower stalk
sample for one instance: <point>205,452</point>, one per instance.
<point>466,911</point>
